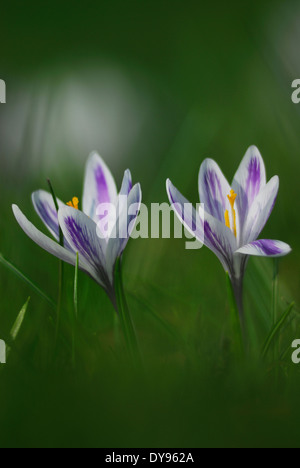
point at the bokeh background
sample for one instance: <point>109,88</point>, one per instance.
<point>155,86</point>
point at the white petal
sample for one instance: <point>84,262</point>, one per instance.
<point>220,239</point>
<point>185,212</point>
<point>214,190</point>
<point>48,244</point>
<point>99,186</point>
<point>124,226</point>
<point>248,181</point>
<point>126,183</point>
<point>44,206</point>
<point>260,211</point>
<point>207,229</point>
<point>266,248</point>
<point>82,235</point>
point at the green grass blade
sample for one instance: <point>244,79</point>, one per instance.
<point>275,300</point>
<point>10,339</point>
<point>275,330</point>
<point>148,309</point>
<point>26,280</point>
<point>275,291</point>
<point>61,265</point>
<point>125,317</point>
<point>61,236</point>
<point>19,320</point>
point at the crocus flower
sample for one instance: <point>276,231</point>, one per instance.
<point>98,251</point>
<point>232,217</point>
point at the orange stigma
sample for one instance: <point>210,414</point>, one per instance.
<point>231,197</point>
<point>74,203</point>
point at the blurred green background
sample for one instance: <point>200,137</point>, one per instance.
<point>157,87</point>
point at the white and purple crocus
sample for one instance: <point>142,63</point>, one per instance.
<point>98,252</point>
<point>232,217</point>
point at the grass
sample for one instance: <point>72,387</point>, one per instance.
<point>77,386</point>
<point>192,392</point>
<point>211,85</point>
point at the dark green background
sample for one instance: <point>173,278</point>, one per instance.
<point>217,77</point>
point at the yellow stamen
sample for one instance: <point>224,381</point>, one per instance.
<point>227,220</point>
<point>74,203</point>
<point>231,197</point>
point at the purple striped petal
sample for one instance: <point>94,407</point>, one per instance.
<point>265,248</point>
<point>219,239</point>
<point>107,212</point>
<point>99,186</point>
<point>134,205</point>
<point>48,244</point>
<point>248,181</point>
<point>44,206</point>
<point>81,233</point>
<point>185,212</point>
<point>126,183</point>
<point>213,190</point>
<point>127,215</point>
<point>260,211</point>
<point>207,229</point>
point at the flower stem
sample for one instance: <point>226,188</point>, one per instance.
<point>60,294</point>
<point>237,285</point>
<point>61,266</point>
<point>235,297</point>
<point>75,315</point>
<point>125,317</point>
<point>275,299</point>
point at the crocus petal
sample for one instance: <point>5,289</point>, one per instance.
<point>48,244</point>
<point>126,188</point>
<point>44,206</point>
<point>266,248</point>
<point>248,181</point>
<point>134,202</point>
<point>185,212</point>
<point>219,239</point>
<point>81,233</point>
<point>99,186</point>
<point>126,183</point>
<point>260,211</point>
<point>207,229</point>
<point>126,218</point>
<point>213,190</point>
